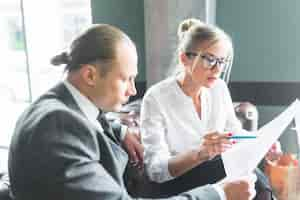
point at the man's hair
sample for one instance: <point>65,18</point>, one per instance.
<point>97,45</point>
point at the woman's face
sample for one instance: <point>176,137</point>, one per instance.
<point>206,65</point>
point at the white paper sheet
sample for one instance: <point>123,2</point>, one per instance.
<point>243,158</point>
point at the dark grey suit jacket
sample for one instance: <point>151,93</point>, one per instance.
<point>57,154</point>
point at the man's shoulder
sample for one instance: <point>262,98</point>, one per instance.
<point>48,120</point>
<point>44,109</point>
<point>46,106</point>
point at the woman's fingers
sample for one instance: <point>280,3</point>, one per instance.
<point>216,143</point>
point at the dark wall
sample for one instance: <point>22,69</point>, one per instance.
<point>127,15</point>
<point>266,38</point>
<point>266,68</point>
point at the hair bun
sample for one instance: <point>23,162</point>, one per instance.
<point>186,25</point>
<point>63,58</point>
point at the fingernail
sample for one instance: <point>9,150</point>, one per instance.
<point>295,162</point>
<point>229,134</point>
<point>233,142</point>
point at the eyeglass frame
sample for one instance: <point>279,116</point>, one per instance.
<point>221,63</point>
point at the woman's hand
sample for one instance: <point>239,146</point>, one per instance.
<point>215,143</point>
<point>212,144</point>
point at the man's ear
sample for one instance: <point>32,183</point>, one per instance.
<point>89,74</point>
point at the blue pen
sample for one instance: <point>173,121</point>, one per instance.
<point>242,137</point>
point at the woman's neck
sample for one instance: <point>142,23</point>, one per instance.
<point>188,87</point>
<point>192,90</point>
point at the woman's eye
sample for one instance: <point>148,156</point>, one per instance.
<point>211,59</point>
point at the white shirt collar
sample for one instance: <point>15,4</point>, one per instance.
<point>85,105</point>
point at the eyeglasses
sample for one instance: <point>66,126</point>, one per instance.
<point>210,61</point>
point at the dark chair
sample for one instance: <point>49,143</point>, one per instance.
<point>4,187</point>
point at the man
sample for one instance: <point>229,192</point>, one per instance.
<point>60,150</point>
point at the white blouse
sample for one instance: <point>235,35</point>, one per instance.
<point>171,125</point>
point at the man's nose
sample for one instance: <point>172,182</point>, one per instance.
<point>132,89</point>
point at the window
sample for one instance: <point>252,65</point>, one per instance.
<point>31,33</point>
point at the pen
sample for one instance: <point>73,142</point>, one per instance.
<point>242,137</point>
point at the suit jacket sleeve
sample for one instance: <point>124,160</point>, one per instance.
<point>70,155</point>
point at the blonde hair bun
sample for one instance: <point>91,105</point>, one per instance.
<point>186,25</point>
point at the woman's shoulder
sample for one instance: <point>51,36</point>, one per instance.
<point>218,90</point>
<point>219,86</point>
<point>220,83</point>
<point>162,88</point>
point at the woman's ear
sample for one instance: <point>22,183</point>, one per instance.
<point>184,59</point>
<point>89,74</point>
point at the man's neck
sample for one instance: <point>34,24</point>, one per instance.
<point>79,85</point>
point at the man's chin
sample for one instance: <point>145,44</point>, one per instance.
<point>117,108</point>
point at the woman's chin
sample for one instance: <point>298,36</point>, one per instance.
<point>210,82</point>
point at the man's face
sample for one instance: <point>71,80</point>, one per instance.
<point>118,84</point>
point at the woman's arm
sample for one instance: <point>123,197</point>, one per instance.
<point>153,134</point>
<point>161,166</point>
<point>213,144</point>
<point>183,162</point>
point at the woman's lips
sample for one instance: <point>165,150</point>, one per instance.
<point>212,78</point>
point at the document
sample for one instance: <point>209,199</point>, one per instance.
<point>244,157</point>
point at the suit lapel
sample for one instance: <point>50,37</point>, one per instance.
<point>105,138</point>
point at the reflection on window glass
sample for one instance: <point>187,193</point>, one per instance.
<point>52,36</point>
<point>16,39</point>
<point>72,25</point>
<point>14,86</point>
<point>46,29</point>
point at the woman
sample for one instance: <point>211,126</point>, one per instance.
<point>187,118</point>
